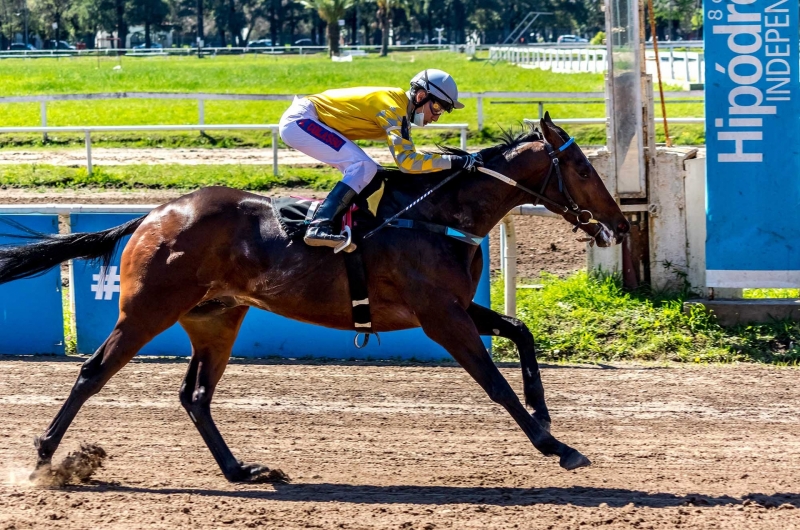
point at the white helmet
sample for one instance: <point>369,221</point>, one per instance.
<point>439,85</point>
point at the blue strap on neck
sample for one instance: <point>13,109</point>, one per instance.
<point>569,143</point>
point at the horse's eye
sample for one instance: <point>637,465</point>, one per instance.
<point>584,175</point>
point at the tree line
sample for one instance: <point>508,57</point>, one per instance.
<point>236,22</point>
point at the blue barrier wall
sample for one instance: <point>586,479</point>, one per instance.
<point>31,317</point>
<point>262,334</point>
<point>753,156</point>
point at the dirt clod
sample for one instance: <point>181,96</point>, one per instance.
<point>77,466</point>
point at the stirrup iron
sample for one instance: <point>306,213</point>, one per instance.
<point>347,245</point>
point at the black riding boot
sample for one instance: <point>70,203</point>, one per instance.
<point>320,230</point>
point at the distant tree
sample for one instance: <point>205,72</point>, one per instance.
<point>121,23</point>
<point>384,15</point>
<point>331,11</point>
<point>53,12</point>
<point>90,16</point>
<point>150,13</point>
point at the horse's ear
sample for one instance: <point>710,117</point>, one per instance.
<point>548,131</point>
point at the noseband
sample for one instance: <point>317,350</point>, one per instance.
<point>573,208</point>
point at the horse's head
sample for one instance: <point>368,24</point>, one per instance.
<point>579,190</point>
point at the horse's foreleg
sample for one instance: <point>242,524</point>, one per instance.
<point>492,323</point>
<point>450,325</point>
<point>117,350</point>
<point>212,336</point>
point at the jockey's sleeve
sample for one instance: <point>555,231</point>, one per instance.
<point>405,154</point>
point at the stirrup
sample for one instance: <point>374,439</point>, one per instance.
<point>347,245</point>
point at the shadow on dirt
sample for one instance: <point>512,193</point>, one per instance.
<point>437,495</point>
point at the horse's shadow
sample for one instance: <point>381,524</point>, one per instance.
<point>438,495</point>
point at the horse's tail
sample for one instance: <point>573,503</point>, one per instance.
<point>49,250</point>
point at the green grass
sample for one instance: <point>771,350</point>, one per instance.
<point>267,74</point>
<point>771,293</point>
<point>167,176</point>
<point>587,318</point>
<point>70,335</point>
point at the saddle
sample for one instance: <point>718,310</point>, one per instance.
<point>295,213</point>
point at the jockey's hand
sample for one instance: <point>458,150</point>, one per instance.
<point>469,162</point>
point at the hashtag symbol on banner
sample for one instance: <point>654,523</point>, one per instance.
<point>106,283</point>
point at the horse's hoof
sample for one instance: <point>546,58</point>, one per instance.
<point>41,471</point>
<point>572,459</point>
<point>258,473</point>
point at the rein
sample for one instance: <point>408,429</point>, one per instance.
<point>573,208</point>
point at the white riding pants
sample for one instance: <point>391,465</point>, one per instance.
<point>301,129</point>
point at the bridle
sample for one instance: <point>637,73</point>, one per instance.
<point>573,207</point>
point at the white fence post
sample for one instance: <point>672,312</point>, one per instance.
<point>275,152</point>
<point>201,112</point>
<point>43,114</point>
<point>88,152</point>
<point>463,138</point>
<point>686,64</point>
<point>502,247</point>
<point>671,63</point>
<point>480,112</point>
<point>510,271</point>
<point>701,73</point>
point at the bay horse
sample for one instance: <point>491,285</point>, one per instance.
<point>204,258</point>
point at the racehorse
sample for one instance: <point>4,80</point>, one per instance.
<point>203,259</point>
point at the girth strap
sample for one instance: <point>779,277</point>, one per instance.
<point>455,233</point>
<point>359,296</point>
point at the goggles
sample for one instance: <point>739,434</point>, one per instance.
<point>439,107</point>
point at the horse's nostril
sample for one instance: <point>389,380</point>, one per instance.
<point>623,227</point>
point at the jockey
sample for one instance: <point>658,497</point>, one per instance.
<point>324,126</point>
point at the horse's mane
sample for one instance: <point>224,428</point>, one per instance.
<point>508,141</point>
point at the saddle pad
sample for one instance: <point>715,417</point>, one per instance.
<point>291,213</point>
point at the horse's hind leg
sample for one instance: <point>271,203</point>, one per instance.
<point>213,331</point>
<point>127,338</point>
<point>492,323</point>
<point>146,310</point>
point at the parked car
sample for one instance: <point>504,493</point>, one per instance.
<point>59,45</point>
<point>153,46</point>
<point>262,43</point>
<point>564,39</point>
<point>21,46</point>
<point>304,42</point>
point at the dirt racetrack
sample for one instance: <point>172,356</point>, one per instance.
<point>413,446</point>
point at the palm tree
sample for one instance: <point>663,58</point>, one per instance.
<point>331,11</point>
<point>384,15</point>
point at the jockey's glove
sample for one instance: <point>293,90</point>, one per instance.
<point>469,162</point>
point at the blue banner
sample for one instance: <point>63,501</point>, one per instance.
<point>753,141</point>
<point>31,317</point>
<point>262,334</point>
